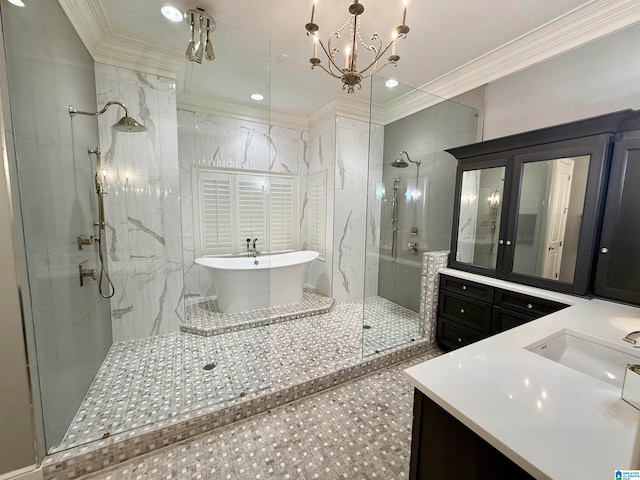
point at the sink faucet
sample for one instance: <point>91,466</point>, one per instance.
<point>254,252</point>
<point>632,337</point>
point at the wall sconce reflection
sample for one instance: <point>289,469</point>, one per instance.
<point>380,191</point>
<point>469,198</point>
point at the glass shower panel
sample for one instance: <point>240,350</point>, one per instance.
<point>157,348</point>
<point>409,205</point>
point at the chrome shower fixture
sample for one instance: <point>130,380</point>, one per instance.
<point>401,163</point>
<point>125,124</point>
<point>202,24</point>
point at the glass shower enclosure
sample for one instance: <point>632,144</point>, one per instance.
<point>411,184</point>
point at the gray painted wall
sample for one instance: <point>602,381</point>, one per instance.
<point>424,136</point>
<point>53,193</point>
<point>595,79</point>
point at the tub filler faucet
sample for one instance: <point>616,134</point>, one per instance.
<point>251,248</point>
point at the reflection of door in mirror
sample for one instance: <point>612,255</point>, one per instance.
<point>550,211</point>
<point>479,221</point>
<point>560,172</point>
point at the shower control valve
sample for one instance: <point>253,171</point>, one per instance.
<point>84,241</point>
<point>86,272</point>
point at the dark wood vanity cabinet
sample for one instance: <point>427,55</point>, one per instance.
<point>444,448</point>
<point>470,311</point>
<point>528,207</point>
<point>618,265</point>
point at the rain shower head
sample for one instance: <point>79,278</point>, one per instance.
<point>125,124</point>
<point>402,163</point>
<point>399,163</point>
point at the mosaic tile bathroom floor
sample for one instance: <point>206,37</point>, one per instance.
<point>358,430</point>
<point>151,379</point>
<point>202,316</point>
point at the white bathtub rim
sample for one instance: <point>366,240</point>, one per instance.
<point>265,261</point>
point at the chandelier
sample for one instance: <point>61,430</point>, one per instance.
<point>200,24</point>
<point>349,74</point>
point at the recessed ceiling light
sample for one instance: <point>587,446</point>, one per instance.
<point>391,83</point>
<point>170,13</point>
<point>257,97</point>
<point>17,3</point>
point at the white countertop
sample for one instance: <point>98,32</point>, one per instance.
<point>552,421</point>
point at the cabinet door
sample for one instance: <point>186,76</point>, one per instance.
<point>618,267</point>
<point>555,208</point>
<point>478,216</point>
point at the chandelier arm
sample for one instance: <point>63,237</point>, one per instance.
<point>379,56</point>
<point>330,59</point>
<point>378,69</point>
<point>328,71</point>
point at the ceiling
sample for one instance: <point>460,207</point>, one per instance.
<point>261,46</point>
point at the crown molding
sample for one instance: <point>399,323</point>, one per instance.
<point>578,27</point>
<point>194,103</point>
<point>340,105</point>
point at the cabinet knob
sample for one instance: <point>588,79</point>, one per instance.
<point>604,250</point>
<point>529,306</point>
<point>500,241</point>
<point>462,310</point>
<point>459,340</point>
<point>508,242</point>
<point>464,287</point>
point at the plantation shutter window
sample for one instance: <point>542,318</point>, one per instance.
<point>230,207</point>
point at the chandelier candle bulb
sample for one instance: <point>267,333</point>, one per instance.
<point>315,46</point>
<point>347,57</point>
<point>313,10</point>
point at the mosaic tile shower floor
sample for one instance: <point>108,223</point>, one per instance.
<point>358,430</point>
<point>148,380</point>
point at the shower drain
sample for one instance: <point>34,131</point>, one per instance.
<point>209,366</point>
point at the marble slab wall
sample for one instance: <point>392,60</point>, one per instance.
<point>217,141</point>
<point>67,326</point>
<point>142,205</point>
<point>321,158</point>
<point>351,222</point>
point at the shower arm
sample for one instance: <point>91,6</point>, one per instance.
<point>73,111</point>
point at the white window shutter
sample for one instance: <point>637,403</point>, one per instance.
<point>215,213</point>
<point>250,208</point>
<point>282,221</point>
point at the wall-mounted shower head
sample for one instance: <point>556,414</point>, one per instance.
<point>125,124</point>
<point>402,163</point>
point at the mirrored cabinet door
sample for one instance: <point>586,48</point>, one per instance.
<point>480,215</point>
<point>549,217</point>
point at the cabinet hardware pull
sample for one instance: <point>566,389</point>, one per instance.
<point>459,340</point>
<point>464,287</point>
<point>529,305</point>
<point>604,250</point>
<point>508,242</point>
<point>462,310</point>
<point>500,242</point>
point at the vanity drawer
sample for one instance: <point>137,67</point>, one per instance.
<point>450,335</point>
<point>472,313</point>
<point>535,307</point>
<point>506,319</point>
<point>469,289</point>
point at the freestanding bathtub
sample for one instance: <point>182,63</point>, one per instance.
<point>241,285</point>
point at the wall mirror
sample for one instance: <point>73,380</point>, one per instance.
<point>549,218</point>
<point>480,213</point>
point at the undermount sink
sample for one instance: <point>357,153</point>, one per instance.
<point>595,357</point>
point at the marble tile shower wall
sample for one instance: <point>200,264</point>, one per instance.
<point>351,222</point>
<point>217,141</point>
<point>143,234</point>
<point>321,158</point>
